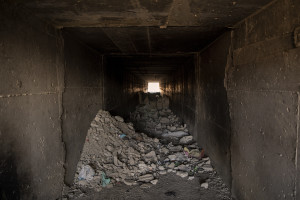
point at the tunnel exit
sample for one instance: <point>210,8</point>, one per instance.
<point>153,87</point>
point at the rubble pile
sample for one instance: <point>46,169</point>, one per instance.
<point>156,119</point>
<point>115,153</point>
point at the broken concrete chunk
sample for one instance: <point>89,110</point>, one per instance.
<point>130,182</point>
<point>177,134</point>
<point>186,140</point>
<point>204,185</point>
<point>184,168</point>
<point>175,148</point>
<point>151,157</point>
<point>146,178</point>
<point>182,174</point>
<point>120,119</point>
<point>171,165</point>
<point>154,182</point>
<point>164,120</point>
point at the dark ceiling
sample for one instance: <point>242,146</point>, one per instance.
<point>145,40</point>
<point>150,68</point>
<point>144,26</point>
<point>150,38</point>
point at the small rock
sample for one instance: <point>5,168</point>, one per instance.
<point>129,182</point>
<point>118,118</point>
<point>175,148</point>
<point>164,120</point>
<point>177,134</point>
<point>161,168</point>
<point>146,178</point>
<point>184,168</point>
<point>154,182</point>
<point>165,151</point>
<point>191,178</point>
<point>204,185</point>
<point>171,128</point>
<point>151,157</point>
<point>146,185</point>
<point>162,172</point>
<point>186,140</point>
<point>182,174</point>
<point>208,169</point>
<point>171,165</point>
<point>172,157</point>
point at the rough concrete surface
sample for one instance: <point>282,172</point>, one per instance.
<point>32,154</point>
<point>82,97</point>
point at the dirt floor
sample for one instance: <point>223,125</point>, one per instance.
<point>169,186</point>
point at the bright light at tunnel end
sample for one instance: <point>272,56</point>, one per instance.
<point>153,87</point>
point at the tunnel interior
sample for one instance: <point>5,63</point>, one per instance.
<point>230,68</point>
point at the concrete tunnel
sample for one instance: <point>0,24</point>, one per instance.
<point>230,68</point>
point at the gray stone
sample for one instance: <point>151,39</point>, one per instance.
<point>151,157</point>
<point>204,185</point>
<point>177,134</point>
<point>175,148</point>
<point>162,172</point>
<point>146,185</point>
<point>118,118</point>
<point>164,120</point>
<point>186,140</point>
<point>172,157</point>
<point>146,178</point>
<point>129,182</point>
<point>164,150</point>
<point>184,168</point>
<point>182,174</point>
<point>171,128</point>
<point>171,165</point>
<point>154,182</point>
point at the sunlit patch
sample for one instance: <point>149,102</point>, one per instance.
<point>153,87</point>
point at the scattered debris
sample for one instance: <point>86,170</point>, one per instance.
<point>115,153</point>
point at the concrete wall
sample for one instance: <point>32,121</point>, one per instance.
<point>212,118</point>
<point>120,88</point>
<point>257,65</point>
<point>180,88</point>
<point>246,93</point>
<point>263,93</point>
<point>31,146</point>
<point>82,98</point>
<point>51,89</point>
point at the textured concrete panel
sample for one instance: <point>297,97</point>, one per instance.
<point>82,98</point>
<point>263,144</point>
<point>32,153</point>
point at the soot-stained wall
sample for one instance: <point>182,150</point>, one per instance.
<point>180,88</point>
<point>120,88</point>
<point>82,98</point>
<point>51,89</point>
<point>263,94</point>
<point>31,146</point>
<point>254,70</point>
<point>246,108</point>
<point>212,124</point>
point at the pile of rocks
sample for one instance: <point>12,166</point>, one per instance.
<point>115,153</point>
<point>156,119</point>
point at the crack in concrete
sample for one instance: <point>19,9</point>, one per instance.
<point>297,145</point>
<point>26,94</point>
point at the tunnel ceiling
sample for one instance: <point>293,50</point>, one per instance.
<point>144,26</point>
<point>150,68</point>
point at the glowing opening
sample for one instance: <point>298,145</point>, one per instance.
<point>153,87</point>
